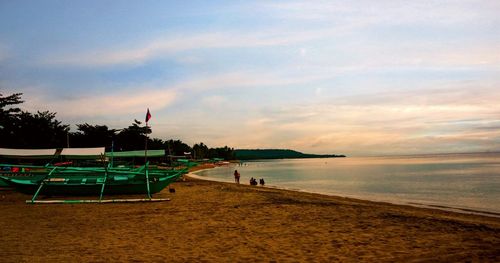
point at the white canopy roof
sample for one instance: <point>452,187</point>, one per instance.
<point>49,153</point>
<point>34,153</point>
<point>83,151</point>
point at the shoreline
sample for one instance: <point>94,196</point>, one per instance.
<point>460,210</point>
<point>215,221</point>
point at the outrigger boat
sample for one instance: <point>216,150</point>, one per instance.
<point>48,157</point>
<point>94,181</point>
<point>54,180</point>
<point>22,156</point>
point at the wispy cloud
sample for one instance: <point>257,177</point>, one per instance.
<point>134,99</point>
<point>417,12</point>
<point>161,47</point>
<point>111,103</point>
<point>342,36</point>
<point>397,123</point>
<point>355,77</point>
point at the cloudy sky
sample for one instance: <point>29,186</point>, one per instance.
<point>352,77</point>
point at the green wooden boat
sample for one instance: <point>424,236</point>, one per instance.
<point>22,175</point>
<point>52,180</point>
<point>92,183</point>
<point>47,156</point>
<point>83,181</point>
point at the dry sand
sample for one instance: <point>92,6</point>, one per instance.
<point>220,222</point>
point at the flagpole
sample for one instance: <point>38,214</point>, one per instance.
<point>148,116</point>
<point>146,162</point>
<point>146,145</point>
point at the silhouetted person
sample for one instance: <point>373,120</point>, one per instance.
<point>236,177</point>
<point>261,181</point>
<point>253,181</point>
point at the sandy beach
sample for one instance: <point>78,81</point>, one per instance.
<point>222,222</point>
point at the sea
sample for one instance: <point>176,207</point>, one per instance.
<point>468,183</point>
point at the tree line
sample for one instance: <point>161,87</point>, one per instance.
<point>23,129</point>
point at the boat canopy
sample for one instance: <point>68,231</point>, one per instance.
<point>75,153</point>
<point>28,153</point>
<point>138,153</point>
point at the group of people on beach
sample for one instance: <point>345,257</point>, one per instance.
<point>253,181</point>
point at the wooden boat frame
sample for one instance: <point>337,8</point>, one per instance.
<point>99,177</point>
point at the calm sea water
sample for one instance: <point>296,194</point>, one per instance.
<point>453,181</point>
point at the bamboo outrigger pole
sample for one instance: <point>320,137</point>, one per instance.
<point>148,116</point>
<point>42,183</point>
<point>147,180</point>
<point>105,178</point>
<point>146,147</point>
<point>104,201</point>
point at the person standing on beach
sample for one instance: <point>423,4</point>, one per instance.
<point>236,177</point>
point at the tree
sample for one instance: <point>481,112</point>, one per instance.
<point>156,144</point>
<point>22,129</point>
<point>133,137</point>
<point>225,152</point>
<point>200,151</point>
<point>92,136</point>
<point>13,99</point>
<point>177,147</point>
<point>8,117</point>
<point>39,130</point>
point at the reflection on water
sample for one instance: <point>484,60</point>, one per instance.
<point>468,181</point>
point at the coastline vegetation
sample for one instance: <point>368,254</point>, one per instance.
<point>23,129</point>
<point>254,154</point>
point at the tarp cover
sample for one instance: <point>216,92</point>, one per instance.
<point>82,152</point>
<point>27,153</point>
<point>139,153</point>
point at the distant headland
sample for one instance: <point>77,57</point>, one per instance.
<point>254,154</point>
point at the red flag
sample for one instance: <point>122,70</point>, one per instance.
<point>148,116</point>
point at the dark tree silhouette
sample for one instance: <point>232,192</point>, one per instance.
<point>177,147</point>
<point>39,130</point>
<point>92,136</point>
<point>200,151</point>
<point>22,129</point>
<point>156,143</point>
<point>6,102</point>
<point>221,152</point>
<point>9,117</point>
<point>132,138</point>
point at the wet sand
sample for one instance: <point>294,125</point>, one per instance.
<point>221,222</point>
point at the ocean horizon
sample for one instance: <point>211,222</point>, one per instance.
<point>463,182</point>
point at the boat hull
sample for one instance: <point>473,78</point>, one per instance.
<point>91,185</point>
<point>21,176</point>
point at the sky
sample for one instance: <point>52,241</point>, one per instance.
<point>348,77</point>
